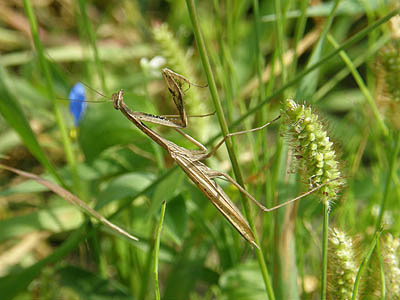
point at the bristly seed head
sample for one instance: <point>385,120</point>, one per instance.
<point>388,81</point>
<point>391,266</point>
<point>343,266</point>
<point>314,146</point>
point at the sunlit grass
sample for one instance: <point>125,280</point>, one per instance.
<point>49,249</point>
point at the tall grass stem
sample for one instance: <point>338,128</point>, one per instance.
<point>361,84</point>
<point>157,250</point>
<point>364,265</point>
<point>325,237</point>
<point>224,128</point>
<point>71,160</point>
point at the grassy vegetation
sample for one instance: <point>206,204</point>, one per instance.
<point>341,59</point>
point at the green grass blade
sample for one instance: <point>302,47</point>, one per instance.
<point>324,269</point>
<point>351,41</point>
<point>364,264</point>
<point>224,127</point>
<point>389,179</point>
<point>157,250</point>
<point>357,77</point>
<point>13,114</point>
<point>92,38</point>
<point>50,90</point>
<point>12,285</point>
<point>309,83</point>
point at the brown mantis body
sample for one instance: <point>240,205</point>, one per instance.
<point>190,160</point>
<point>201,175</point>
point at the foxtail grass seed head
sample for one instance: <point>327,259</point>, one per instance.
<point>342,265</point>
<point>313,148</point>
<point>387,92</point>
<point>390,57</point>
<point>391,266</point>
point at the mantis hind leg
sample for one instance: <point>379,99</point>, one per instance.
<point>222,175</point>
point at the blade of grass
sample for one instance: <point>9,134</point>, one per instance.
<point>49,85</point>
<point>157,250</point>
<point>224,128</point>
<point>381,270</point>
<point>364,264</point>
<point>325,233</point>
<point>92,38</point>
<point>13,114</point>
<point>361,84</point>
<point>358,61</point>
<point>299,34</point>
<point>71,198</point>
<point>390,177</point>
<point>301,74</point>
<point>309,82</point>
<point>259,58</point>
<point>280,38</point>
<point>12,285</point>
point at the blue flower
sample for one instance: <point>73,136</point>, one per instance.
<point>77,104</point>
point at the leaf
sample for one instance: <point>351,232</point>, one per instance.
<point>72,199</point>
<point>91,286</point>
<point>244,282</point>
<point>309,82</point>
<point>13,284</point>
<point>29,186</point>
<point>166,190</point>
<point>103,127</point>
<point>54,219</point>
<point>14,116</point>
<point>176,218</point>
<point>186,274</point>
<point>124,186</point>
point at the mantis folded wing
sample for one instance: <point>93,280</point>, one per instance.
<point>201,175</point>
<point>190,160</point>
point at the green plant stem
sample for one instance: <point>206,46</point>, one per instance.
<point>148,265</point>
<point>21,280</point>
<point>361,84</point>
<point>260,63</point>
<point>358,61</point>
<point>382,271</point>
<point>299,33</point>
<point>354,39</point>
<point>157,250</point>
<point>301,74</point>
<point>49,85</point>
<point>364,264</point>
<point>389,179</point>
<point>280,38</point>
<point>15,117</point>
<point>325,232</point>
<point>224,129</point>
<point>92,38</point>
<point>308,84</point>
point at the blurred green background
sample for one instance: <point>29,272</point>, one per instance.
<point>51,250</point>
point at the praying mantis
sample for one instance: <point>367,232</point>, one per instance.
<point>190,160</point>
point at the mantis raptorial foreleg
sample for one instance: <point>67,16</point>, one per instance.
<point>174,83</point>
<point>190,116</point>
<point>212,152</point>
<point>217,174</point>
